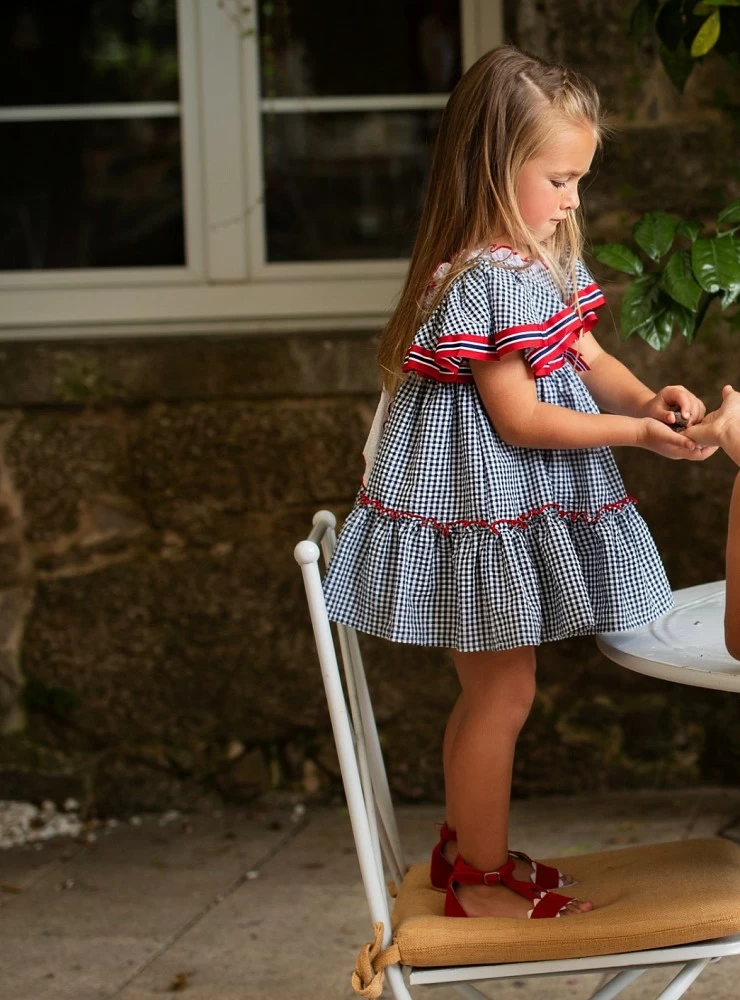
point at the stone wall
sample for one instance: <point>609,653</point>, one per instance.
<point>154,645</point>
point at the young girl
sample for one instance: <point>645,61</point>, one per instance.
<point>492,517</point>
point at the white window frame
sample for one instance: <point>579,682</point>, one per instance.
<point>226,284</point>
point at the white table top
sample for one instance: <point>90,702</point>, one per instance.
<point>686,645</point>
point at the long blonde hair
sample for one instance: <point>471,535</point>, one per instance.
<point>500,115</point>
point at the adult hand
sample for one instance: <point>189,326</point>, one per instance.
<point>721,427</point>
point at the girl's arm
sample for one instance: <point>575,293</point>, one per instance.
<point>617,390</point>
<point>507,390</point>
<point>612,385</point>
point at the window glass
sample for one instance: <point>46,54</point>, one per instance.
<point>336,48</point>
<point>87,52</point>
<point>345,186</point>
<point>350,107</point>
<point>91,194</point>
<point>91,172</point>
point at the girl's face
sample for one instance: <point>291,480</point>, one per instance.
<point>547,187</point>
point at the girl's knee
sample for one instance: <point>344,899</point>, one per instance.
<point>520,698</point>
<point>508,706</point>
<point>501,685</point>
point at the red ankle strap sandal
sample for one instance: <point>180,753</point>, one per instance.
<point>440,869</point>
<point>545,903</point>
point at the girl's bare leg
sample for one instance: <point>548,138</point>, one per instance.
<point>449,741</point>
<point>522,870</point>
<point>497,694</point>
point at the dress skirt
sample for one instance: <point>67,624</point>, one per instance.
<point>461,540</point>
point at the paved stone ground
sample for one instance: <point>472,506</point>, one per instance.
<point>267,904</point>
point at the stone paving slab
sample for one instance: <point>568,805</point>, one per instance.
<point>22,867</point>
<point>93,915</point>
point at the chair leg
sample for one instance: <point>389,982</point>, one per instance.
<point>396,983</point>
<point>616,985</point>
<point>678,986</point>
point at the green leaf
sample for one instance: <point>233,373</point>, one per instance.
<point>618,257</point>
<point>654,233</point>
<point>683,320</point>
<point>639,304</point>
<point>643,18</point>
<point>706,36</point>
<point>677,63</point>
<point>732,295</point>
<point>718,3</point>
<point>702,9</point>
<point>716,264</point>
<point>690,229</point>
<point>654,336</point>
<point>732,212</point>
<point>667,318</point>
<point>678,280</point>
<point>664,330</point>
<point>669,23</point>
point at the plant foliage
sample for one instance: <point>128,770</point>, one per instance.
<point>687,31</point>
<point>684,272</point>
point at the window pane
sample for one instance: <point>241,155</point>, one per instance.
<point>91,194</point>
<point>345,186</point>
<point>89,51</point>
<point>338,48</point>
<point>90,190</point>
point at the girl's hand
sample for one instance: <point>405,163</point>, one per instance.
<point>675,405</point>
<point>722,426</point>
<point>658,437</point>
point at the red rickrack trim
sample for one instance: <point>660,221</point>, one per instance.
<point>522,521</point>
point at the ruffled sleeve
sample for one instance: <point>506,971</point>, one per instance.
<point>485,313</point>
<point>491,310</point>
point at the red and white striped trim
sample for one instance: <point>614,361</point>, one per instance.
<point>549,345</point>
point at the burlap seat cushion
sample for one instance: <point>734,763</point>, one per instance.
<point>644,897</point>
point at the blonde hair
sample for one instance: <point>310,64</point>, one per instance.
<point>500,115</point>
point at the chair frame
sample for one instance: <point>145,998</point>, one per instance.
<point>376,835</point>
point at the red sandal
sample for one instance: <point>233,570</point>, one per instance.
<point>440,869</point>
<point>545,903</point>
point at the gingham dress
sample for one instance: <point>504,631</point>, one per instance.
<point>459,539</point>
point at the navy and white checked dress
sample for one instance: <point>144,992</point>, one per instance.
<point>459,539</point>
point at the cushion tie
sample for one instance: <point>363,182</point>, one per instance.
<point>369,973</point>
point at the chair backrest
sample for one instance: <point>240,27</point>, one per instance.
<point>355,732</point>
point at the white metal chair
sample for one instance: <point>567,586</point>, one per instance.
<point>379,849</point>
